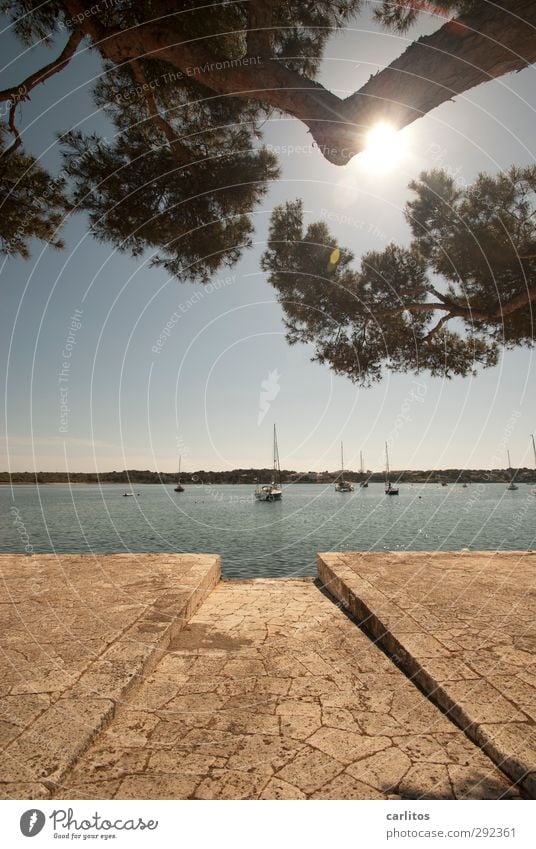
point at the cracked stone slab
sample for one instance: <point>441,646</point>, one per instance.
<point>78,633</point>
<point>462,625</point>
<point>272,692</point>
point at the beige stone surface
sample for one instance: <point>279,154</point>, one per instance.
<point>463,626</point>
<point>272,692</point>
<point>77,633</point>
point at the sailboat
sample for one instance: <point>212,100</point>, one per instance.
<point>271,491</point>
<point>364,483</point>
<point>389,488</point>
<point>342,485</point>
<point>179,487</point>
<point>533,491</point>
<point>511,486</point>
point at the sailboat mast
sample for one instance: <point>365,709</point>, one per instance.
<point>342,464</point>
<point>386,463</point>
<point>277,468</point>
<point>513,474</point>
<point>533,447</point>
<point>361,462</point>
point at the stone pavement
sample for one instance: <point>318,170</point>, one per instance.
<point>462,625</point>
<point>78,632</point>
<point>272,692</point>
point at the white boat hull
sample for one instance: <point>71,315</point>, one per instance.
<point>344,487</point>
<point>268,493</point>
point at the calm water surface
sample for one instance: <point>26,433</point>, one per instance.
<point>260,539</point>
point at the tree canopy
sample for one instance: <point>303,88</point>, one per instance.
<point>32,205</point>
<point>188,91</point>
<point>449,302</point>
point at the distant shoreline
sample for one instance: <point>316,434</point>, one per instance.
<point>250,477</point>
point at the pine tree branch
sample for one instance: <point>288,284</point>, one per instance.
<point>259,15</point>
<point>419,306</point>
<point>437,327</point>
<point>494,40</point>
<point>17,141</point>
<point>179,151</point>
<point>21,92</point>
<point>521,300</point>
<point>268,80</point>
<point>476,314</point>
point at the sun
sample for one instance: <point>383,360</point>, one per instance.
<point>385,147</point>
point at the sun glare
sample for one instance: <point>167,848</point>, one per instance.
<point>384,148</point>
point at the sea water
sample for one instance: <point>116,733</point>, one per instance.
<point>264,539</point>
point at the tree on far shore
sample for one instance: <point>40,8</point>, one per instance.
<point>462,291</point>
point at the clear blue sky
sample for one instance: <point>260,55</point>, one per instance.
<point>200,396</point>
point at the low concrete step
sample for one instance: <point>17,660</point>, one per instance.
<point>272,692</point>
<point>79,633</point>
<point>462,625</point>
